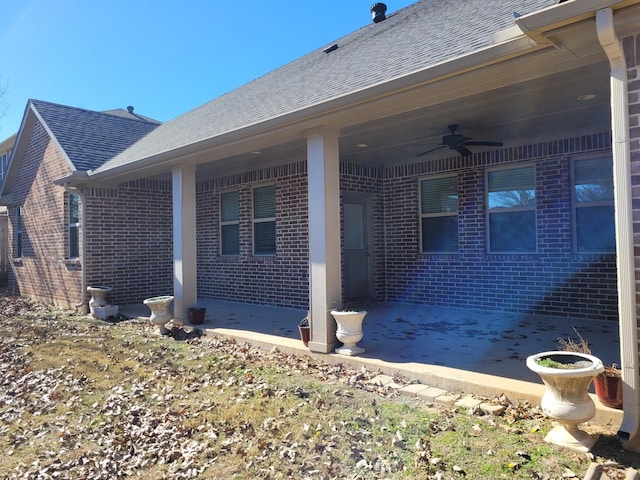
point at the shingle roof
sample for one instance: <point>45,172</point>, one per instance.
<point>91,138</point>
<point>421,35</point>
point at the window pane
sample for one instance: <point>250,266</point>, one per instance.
<point>440,234</point>
<point>73,242</point>
<point>594,180</point>
<point>264,205</point>
<point>353,227</point>
<point>512,188</point>
<point>595,229</point>
<point>229,207</point>
<point>230,235</point>
<point>18,232</point>
<point>439,195</point>
<point>264,238</point>
<point>513,231</point>
<point>74,216</point>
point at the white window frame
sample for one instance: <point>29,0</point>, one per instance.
<point>575,205</point>
<point>257,220</point>
<point>440,214</point>
<point>224,223</point>
<point>528,208</point>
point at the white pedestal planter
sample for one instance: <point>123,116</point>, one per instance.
<point>349,331</point>
<point>98,306</point>
<point>160,313</point>
<point>566,398</point>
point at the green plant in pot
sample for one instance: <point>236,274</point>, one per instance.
<point>608,384</point>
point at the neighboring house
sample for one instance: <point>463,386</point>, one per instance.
<point>6,147</point>
<point>49,256</point>
<point>307,188</point>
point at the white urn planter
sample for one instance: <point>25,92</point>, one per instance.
<point>98,296</point>
<point>349,331</point>
<point>98,306</point>
<point>160,314</point>
<point>566,398</point>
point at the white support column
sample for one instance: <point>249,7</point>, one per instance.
<point>324,236</point>
<point>185,290</point>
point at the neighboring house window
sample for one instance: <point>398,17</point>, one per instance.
<point>4,160</point>
<point>511,201</point>
<point>229,223</point>
<point>18,233</point>
<point>593,205</point>
<point>439,214</point>
<point>264,220</point>
<point>74,226</point>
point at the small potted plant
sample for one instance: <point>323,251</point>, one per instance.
<point>608,384</point>
<point>305,330</point>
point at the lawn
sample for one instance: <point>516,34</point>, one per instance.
<point>83,398</point>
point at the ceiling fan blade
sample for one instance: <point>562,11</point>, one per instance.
<point>431,150</point>
<point>486,144</point>
<point>465,152</point>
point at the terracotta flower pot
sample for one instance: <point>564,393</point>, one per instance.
<point>609,390</point>
<point>305,335</point>
<point>196,315</point>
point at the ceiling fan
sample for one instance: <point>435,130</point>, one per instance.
<point>459,143</point>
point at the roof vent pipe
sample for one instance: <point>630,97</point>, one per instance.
<point>377,12</point>
<point>130,109</point>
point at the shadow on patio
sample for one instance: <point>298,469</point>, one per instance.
<point>416,337</point>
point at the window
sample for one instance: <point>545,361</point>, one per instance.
<point>229,223</point>
<point>511,200</point>
<point>74,226</point>
<point>439,214</point>
<point>18,233</point>
<point>593,205</point>
<point>264,220</point>
<point>4,160</point>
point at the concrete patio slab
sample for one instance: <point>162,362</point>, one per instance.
<point>448,350</point>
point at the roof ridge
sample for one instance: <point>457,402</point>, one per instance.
<point>139,118</point>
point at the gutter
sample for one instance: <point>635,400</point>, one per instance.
<point>625,258</point>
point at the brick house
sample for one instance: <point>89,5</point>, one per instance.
<point>47,249</point>
<point>341,177</point>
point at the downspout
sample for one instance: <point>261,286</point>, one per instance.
<point>628,431</point>
<point>83,270</point>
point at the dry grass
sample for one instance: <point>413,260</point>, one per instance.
<point>82,398</point>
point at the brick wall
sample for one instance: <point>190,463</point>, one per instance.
<point>43,272</point>
<point>281,280</point>
<point>553,281</point>
<point>129,236</point>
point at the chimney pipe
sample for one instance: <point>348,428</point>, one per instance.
<point>377,12</point>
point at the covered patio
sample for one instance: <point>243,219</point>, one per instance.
<point>470,351</point>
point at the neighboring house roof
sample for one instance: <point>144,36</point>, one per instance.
<point>91,138</point>
<point>422,35</point>
<point>86,138</point>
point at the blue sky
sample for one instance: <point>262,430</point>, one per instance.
<point>164,57</point>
